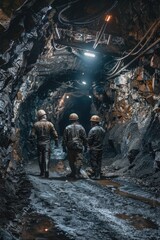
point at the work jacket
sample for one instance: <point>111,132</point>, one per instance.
<point>96,137</point>
<point>74,130</point>
<point>44,131</point>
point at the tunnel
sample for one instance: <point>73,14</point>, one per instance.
<point>98,60</point>
<point>80,105</point>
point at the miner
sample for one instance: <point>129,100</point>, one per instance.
<point>44,131</point>
<point>95,143</point>
<point>74,142</point>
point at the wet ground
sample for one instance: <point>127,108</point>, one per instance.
<point>40,227</point>
<point>86,209</point>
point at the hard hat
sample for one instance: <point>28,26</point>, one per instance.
<point>41,113</point>
<point>73,116</point>
<point>95,118</point>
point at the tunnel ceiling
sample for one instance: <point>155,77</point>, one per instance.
<point>60,31</point>
<point>43,44</point>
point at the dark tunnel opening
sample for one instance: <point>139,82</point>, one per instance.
<point>49,98</point>
<point>80,105</point>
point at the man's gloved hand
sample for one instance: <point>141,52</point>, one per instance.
<point>56,143</point>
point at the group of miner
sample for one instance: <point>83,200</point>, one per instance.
<point>75,143</point>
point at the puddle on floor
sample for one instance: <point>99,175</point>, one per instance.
<point>138,221</point>
<point>40,227</point>
<point>111,184</point>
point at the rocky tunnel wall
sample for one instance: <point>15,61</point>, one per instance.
<point>120,102</point>
<point>19,50</point>
<point>132,122</point>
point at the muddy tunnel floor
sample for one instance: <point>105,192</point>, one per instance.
<point>88,209</point>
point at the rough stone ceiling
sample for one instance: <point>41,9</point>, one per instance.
<point>129,20</point>
<point>74,26</point>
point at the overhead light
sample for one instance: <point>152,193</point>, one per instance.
<point>84,83</point>
<point>67,96</point>
<point>90,96</point>
<point>107,18</point>
<point>89,54</point>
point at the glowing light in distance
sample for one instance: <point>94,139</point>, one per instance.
<point>89,54</point>
<point>84,82</point>
<point>90,96</point>
<point>46,229</point>
<point>67,96</point>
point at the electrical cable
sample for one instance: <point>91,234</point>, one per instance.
<point>65,4</point>
<point>115,69</point>
<point>152,45</point>
<point>87,21</point>
<point>153,25</point>
<point>115,66</point>
<point>58,49</point>
<point>73,22</point>
<point>147,40</point>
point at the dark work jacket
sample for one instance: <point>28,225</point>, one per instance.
<point>44,131</point>
<point>96,137</point>
<point>74,130</point>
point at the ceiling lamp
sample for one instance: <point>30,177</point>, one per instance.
<point>89,54</point>
<point>107,18</point>
<point>84,83</point>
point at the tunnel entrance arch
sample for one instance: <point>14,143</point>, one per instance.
<point>79,104</point>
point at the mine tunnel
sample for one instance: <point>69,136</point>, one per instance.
<point>98,60</point>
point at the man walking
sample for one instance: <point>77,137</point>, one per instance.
<point>95,143</point>
<point>44,130</point>
<point>74,139</point>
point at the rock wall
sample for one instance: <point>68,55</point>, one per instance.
<point>132,122</point>
<point>19,50</point>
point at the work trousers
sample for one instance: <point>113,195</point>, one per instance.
<point>43,158</point>
<point>75,159</point>
<point>96,161</point>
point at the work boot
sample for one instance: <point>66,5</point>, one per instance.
<point>41,170</point>
<point>46,174</point>
<point>41,174</point>
<point>96,176</point>
<point>70,175</point>
<point>78,174</point>
<point>92,175</point>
